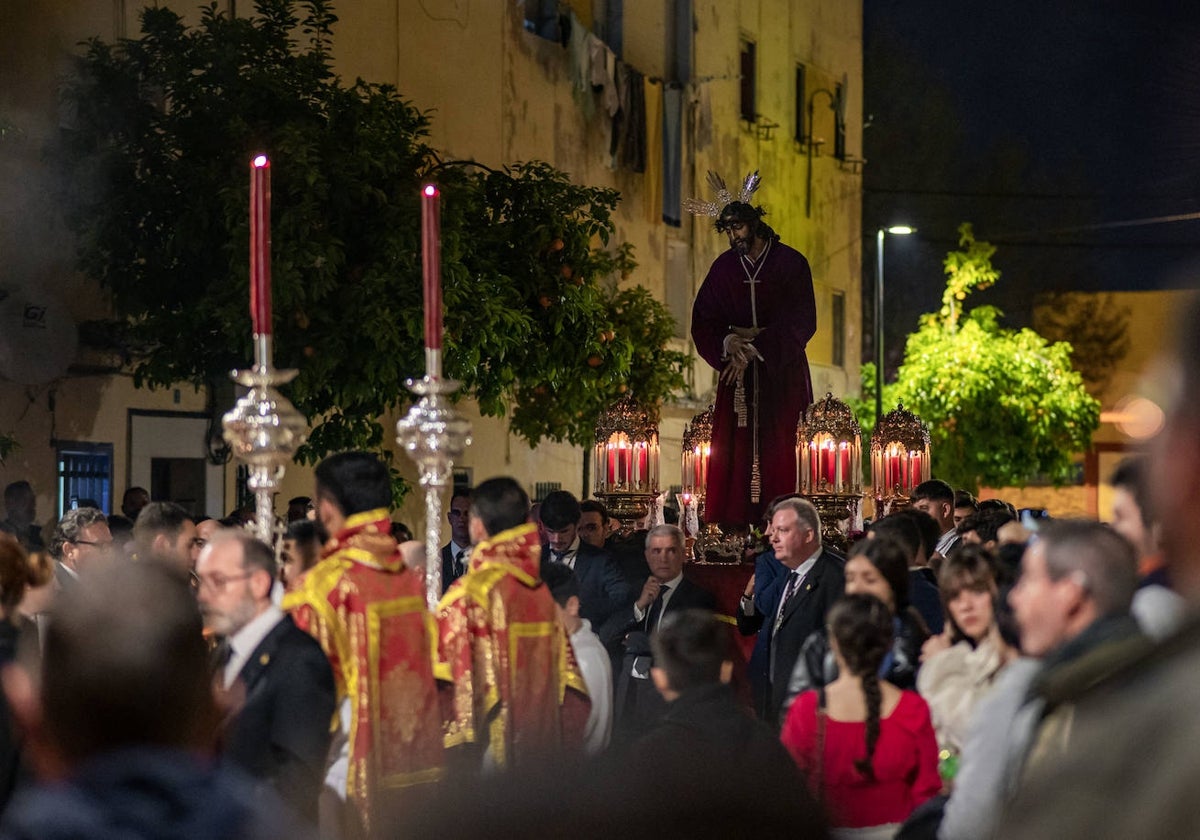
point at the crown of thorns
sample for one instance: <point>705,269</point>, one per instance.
<point>724,197</point>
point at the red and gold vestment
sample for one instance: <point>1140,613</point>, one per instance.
<point>514,688</point>
<point>367,609</point>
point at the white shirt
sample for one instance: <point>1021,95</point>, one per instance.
<point>568,556</point>
<point>946,542</point>
<point>243,642</point>
<point>640,615</point>
<point>596,667</point>
<point>802,572</point>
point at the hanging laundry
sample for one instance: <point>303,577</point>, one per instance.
<point>633,139</point>
<point>581,68</point>
<point>672,154</point>
<point>603,62</point>
<point>654,151</point>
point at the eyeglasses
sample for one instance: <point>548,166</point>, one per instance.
<point>216,582</point>
<point>104,544</point>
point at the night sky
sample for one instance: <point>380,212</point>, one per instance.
<point>1050,126</point>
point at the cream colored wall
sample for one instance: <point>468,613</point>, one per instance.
<point>512,100</point>
<point>498,95</point>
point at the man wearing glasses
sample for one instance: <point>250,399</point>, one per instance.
<point>80,538</point>
<point>280,733</point>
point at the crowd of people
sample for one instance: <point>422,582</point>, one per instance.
<point>957,673</point>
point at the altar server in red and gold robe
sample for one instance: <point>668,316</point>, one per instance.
<point>367,609</point>
<point>513,691</point>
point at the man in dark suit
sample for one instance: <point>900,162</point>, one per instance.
<point>279,731</point>
<point>456,554</point>
<point>815,580</point>
<point>603,591</point>
<point>666,591</point>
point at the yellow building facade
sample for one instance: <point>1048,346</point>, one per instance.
<point>767,85</point>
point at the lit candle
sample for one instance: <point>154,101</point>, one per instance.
<point>431,263</point>
<point>612,466</point>
<point>260,244</point>
<point>827,467</point>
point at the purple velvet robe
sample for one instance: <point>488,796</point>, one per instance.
<point>787,316</point>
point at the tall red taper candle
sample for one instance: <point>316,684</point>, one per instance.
<point>431,263</point>
<point>260,244</point>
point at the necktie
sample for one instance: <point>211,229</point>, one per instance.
<point>792,585</point>
<point>459,565</point>
<point>652,617</point>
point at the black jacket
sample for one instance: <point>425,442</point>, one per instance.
<point>281,734</point>
<point>804,614</point>
<point>816,666</point>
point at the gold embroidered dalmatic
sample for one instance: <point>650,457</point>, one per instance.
<point>512,685</point>
<point>367,609</point>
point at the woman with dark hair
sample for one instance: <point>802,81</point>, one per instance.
<point>879,567</point>
<point>961,665</point>
<point>866,747</point>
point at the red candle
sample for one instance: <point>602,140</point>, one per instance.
<point>612,465</point>
<point>827,463</point>
<point>431,263</point>
<point>643,462</point>
<point>844,466</point>
<point>260,244</point>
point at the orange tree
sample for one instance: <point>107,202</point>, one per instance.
<point>157,162</point>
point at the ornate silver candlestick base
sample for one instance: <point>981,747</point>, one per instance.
<point>434,435</point>
<point>265,430</point>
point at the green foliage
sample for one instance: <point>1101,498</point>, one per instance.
<point>166,127</point>
<point>1003,406</point>
<point>966,271</point>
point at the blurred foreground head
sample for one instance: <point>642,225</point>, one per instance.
<point>124,665</point>
<point>1175,459</point>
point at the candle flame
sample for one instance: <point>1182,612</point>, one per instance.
<point>430,190</point>
<point>260,161</point>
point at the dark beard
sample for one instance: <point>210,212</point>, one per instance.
<point>743,246</point>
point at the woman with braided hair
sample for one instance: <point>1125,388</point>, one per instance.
<point>866,747</point>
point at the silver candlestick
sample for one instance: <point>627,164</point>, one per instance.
<point>434,435</point>
<point>265,430</point>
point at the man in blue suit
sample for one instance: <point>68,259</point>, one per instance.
<point>603,591</point>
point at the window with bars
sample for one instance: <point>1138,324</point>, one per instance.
<point>84,475</point>
<point>838,330</point>
<point>542,489</point>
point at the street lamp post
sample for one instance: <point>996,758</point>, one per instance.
<point>895,230</point>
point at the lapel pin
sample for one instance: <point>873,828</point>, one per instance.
<point>264,659</point>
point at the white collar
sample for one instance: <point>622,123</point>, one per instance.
<point>674,582</point>
<point>244,641</point>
